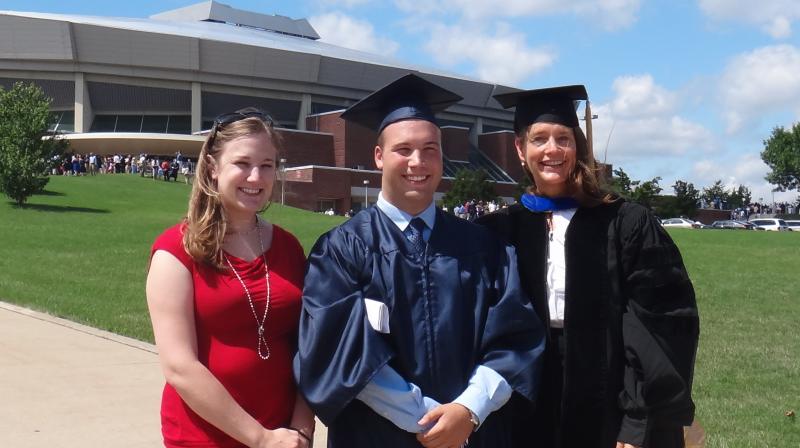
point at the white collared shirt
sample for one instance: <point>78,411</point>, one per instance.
<point>557,266</point>
<point>402,219</point>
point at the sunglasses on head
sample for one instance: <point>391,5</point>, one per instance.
<point>233,117</point>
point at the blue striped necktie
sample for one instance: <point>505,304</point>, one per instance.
<point>415,229</point>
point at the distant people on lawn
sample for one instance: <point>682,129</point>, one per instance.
<point>611,286</point>
<point>223,290</point>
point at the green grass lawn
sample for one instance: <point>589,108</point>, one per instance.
<point>80,252</point>
<point>748,365</point>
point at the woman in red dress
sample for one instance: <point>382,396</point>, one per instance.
<point>224,289</point>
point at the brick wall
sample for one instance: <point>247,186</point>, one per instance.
<point>499,146</point>
<point>353,144</point>
<point>332,124</point>
<point>455,143</point>
<point>360,144</point>
<point>306,187</point>
<point>304,148</point>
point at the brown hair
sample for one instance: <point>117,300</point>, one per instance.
<point>584,178</point>
<point>205,223</point>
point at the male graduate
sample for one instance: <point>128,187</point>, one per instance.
<point>414,330</point>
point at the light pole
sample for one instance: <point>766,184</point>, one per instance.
<point>366,193</point>
<point>773,201</point>
<point>283,181</point>
<point>608,140</point>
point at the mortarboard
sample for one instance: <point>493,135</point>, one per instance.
<point>552,105</point>
<point>409,97</point>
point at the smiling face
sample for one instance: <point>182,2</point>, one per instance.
<point>410,155</point>
<point>244,170</point>
<point>549,150</point>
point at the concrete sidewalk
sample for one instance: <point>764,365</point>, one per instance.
<point>67,385</point>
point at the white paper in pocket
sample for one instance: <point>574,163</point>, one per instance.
<point>378,315</point>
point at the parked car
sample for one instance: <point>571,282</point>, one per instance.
<point>724,224</point>
<point>793,224</point>
<point>773,224</point>
<point>681,222</point>
<point>732,224</point>
<point>746,224</point>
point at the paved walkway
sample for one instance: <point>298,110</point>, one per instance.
<point>67,385</point>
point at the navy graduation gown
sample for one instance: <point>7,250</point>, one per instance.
<point>452,308</point>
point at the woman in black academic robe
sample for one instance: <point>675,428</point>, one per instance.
<point>620,351</point>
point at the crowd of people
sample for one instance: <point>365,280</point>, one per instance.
<point>565,320</point>
<point>474,209</point>
<point>165,168</point>
<point>757,210</point>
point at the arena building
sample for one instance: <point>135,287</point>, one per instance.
<point>132,86</point>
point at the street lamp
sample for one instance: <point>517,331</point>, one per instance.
<point>366,193</point>
<point>773,200</point>
<point>283,181</point>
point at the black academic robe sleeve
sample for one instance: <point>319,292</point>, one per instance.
<point>336,365</point>
<point>660,329</point>
<point>513,339</point>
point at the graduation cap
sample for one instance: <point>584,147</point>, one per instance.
<point>553,105</point>
<point>409,97</point>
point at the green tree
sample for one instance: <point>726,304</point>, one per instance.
<point>621,183</point>
<point>686,196</point>
<point>25,157</point>
<point>645,192</point>
<point>782,155</point>
<point>635,190</point>
<point>469,184</point>
<point>715,192</point>
<point>739,196</point>
<point>523,184</point>
<point>665,206</point>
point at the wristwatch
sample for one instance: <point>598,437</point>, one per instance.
<point>474,420</point>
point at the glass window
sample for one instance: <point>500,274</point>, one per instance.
<point>129,123</point>
<point>67,123</point>
<point>324,205</point>
<point>319,108</point>
<point>104,123</point>
<point>180,124</point>
<point>489,128</point>
<point>154,123</point>
<point>55,118</point>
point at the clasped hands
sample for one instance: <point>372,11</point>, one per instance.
<point>451,428</point>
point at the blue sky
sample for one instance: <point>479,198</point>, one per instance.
<point>684,89</point>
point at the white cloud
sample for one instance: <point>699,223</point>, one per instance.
<point>761,81</point>
<point>345,3</point>
<point>734,170</point>
<point>774,17</point>
<point>706,171</point>
<point>780,28</point>
<point>639,95</point>
<point>609,14</point>
<point>503,57</point>
<point>642,122</point>
<point>340,29</point>
<point>744,169</point>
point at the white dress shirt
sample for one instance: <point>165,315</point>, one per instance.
<point>557,266</point>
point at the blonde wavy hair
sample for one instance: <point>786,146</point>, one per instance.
<point>589,191</point>
<point>206,223</point>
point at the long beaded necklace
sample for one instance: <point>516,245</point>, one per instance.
<point>262,340</point>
